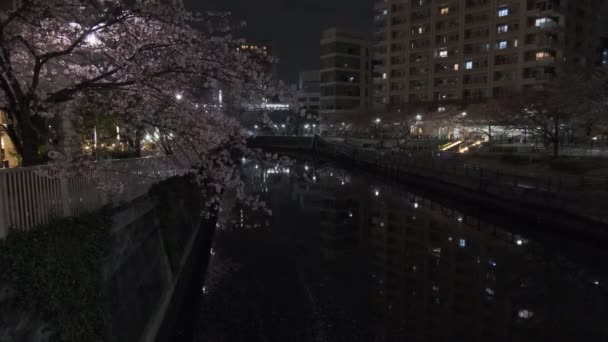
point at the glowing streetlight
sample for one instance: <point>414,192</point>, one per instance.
<point>255,126</point>
<point>92,39</point>
<point>464,113</point>
<point>419,117</point>
<point>378,120</point>
<point>179,96</point>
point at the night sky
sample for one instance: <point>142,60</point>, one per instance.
<point>293,27</point>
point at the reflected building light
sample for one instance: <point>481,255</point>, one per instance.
<point>525,314</point>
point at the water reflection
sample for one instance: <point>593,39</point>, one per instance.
<point>394,266</point>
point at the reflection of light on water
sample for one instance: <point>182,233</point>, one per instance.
<point>525,314</point>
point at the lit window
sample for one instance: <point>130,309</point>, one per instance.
<point>385,12</point>
<point>420,29</point>
<point>469,65</point>
<point>384,76</point>
<point>462,243</point>
<point>540,22</point>
<point>443,54</point>
<point>455,67</point>
<point>441,109</point>
<point>542,55</point>
<point>444,10</point>
<point>503,28</point>
<point>502,44</point>
<point>503,12</point>
<point>515,42</point>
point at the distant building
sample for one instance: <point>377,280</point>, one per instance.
<point>264,53</point>
<point>345,74</point>
<point>442,51</point>
<point>309,90</point>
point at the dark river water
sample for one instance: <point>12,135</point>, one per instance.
<point>345,257</point>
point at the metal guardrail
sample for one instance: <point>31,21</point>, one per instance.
<point>427,165</point>
<point>32,196</point>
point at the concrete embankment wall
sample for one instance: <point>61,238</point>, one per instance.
<point>158,255</point>
<point>151,269</point>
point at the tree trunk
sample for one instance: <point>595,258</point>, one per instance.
<point>556,148</point>
<point>30,144</point>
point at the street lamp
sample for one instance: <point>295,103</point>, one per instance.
<point>179,96</point>
<point>419,117</point>
<point>91,39</point>
<point>464,114</point>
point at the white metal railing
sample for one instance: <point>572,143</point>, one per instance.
<point>32,196</point>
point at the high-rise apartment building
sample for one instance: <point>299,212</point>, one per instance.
<point>345,73</point>
<point>467,50</point>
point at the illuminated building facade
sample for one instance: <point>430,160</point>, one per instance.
<point>8,154</point>
<point>468,50</point>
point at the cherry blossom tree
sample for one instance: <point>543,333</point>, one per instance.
<point>558,108</point>
<point>152,61</point>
